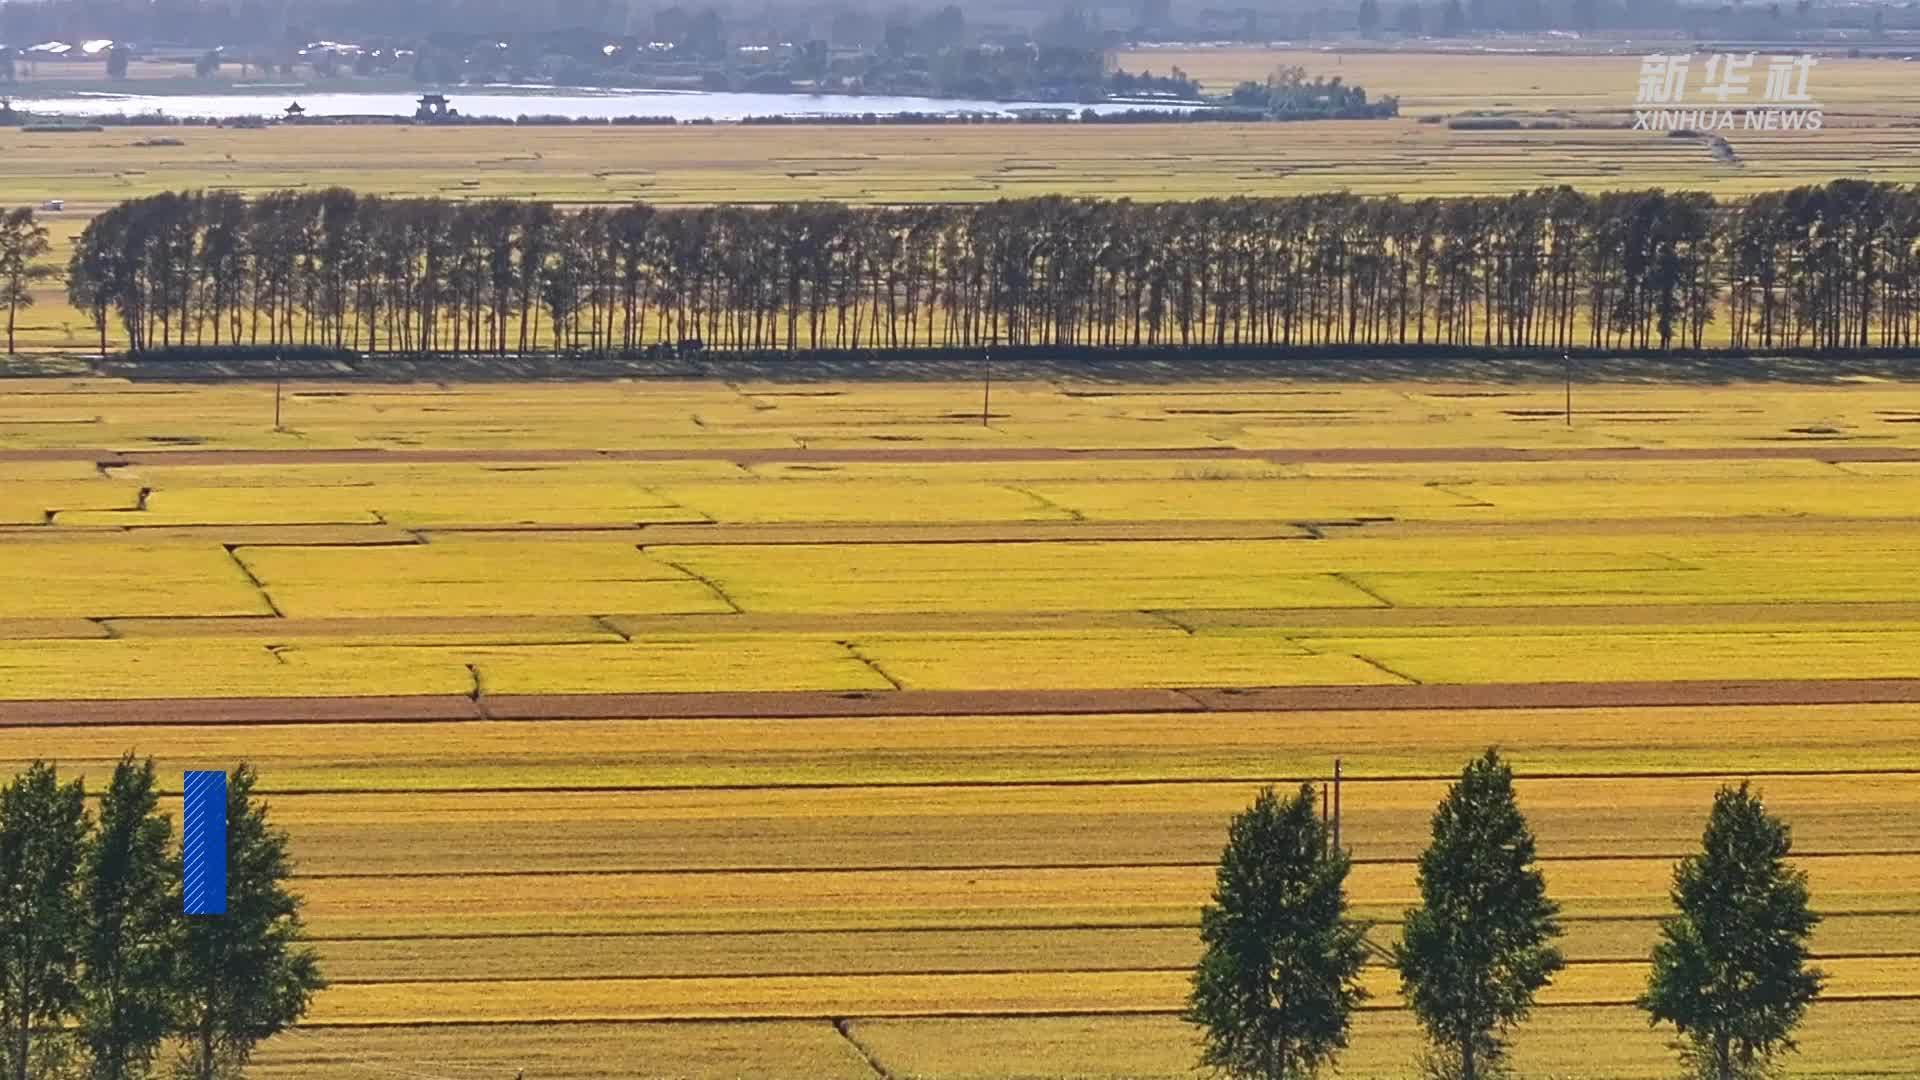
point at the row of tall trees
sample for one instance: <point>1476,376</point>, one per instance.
<point>1280,974</point>
<point>1830,267</point>
<point>100,972</point>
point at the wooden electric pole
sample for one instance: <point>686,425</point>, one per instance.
<point>986,389</point>
<point>1566,360</point>
<point>1336,805</point>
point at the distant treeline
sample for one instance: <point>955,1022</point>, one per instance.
<point>1037,116</point>
<point>1831,267</point>
<point>1201,114</point>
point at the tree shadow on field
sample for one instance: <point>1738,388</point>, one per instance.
<point>1084,365</point>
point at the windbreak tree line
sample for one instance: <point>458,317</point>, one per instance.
<point>1832,267</point>
<point>101,975</point>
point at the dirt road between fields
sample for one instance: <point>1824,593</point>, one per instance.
<point>1810,451</point>
<point>932,703</point>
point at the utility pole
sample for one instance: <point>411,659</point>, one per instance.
<point>279,378</point>
<point>1336,805</point>
<point>1566,360</point>
<point>986,388</point>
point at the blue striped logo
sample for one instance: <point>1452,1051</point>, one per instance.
<point>205,833</point>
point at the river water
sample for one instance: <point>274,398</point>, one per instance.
<point>511,102</point>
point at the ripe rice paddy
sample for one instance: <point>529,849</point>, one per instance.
<point>719,731</point>
<point>1576,113</point>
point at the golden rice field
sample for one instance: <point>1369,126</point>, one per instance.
<point>1431,81</point>
<point>762,730</point>
<point>1868,103</point>
<point>899,164</point>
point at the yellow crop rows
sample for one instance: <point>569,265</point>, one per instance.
<point>979,880</point>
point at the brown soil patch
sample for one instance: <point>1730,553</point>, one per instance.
<point>224,535</point>
<point>403,629</point>
<point>872,623</point>
<point>30,629</point>
<point>185,711</point>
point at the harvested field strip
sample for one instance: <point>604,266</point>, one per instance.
<point>1840,1039</point>
<point>739,1051</point>
<point>943,950</point>
<point>1878,1038</point>
<point>1024,825</point>
<point>894,995</point>
<point>331,755</point>
<point>844,899</point>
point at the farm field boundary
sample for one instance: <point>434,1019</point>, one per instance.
<point>1813,451</point>
<point>784,704</point>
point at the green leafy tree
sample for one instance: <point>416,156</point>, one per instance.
<point>22,242</point>
<point>244,975</point>
<point>1730,970</point>
<point>43,832</point>
<point>1278,979</point>
<point>131,886</point>
<point>95,269</point>
<point>1480,945</point>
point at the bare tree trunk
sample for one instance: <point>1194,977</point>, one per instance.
<point>26,1027</point>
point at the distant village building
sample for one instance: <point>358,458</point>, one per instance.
<point>433,109</point>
